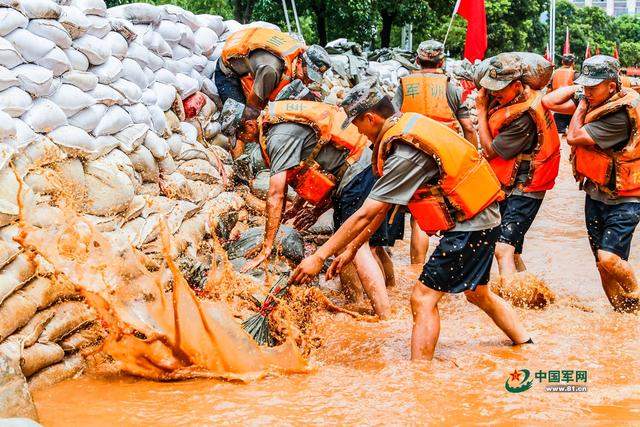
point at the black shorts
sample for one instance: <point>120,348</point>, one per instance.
<point>611,227</point>
<point>352,198</point>
<point>518,213</point>
<point>562,121</point>
<point>461,261</point>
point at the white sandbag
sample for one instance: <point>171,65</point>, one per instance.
<point>107,95</point>
<point>129,90</point>
<point>7,78</point>
<point>88,118</point>
<point>109,71</point>
<point>145,164</point>
<point>209,70</point>
<point>156,44</point>
<point>34,79</point>
<point>172,66</point>
<point>213,22</point>
<point>24,135</point>
<point>209,88</point>
<point>189,131</point>
<point>96,50</point>
<point>195,75</point>
<point>232,26</point>
<point>180,52</point>
<point>166,94</point>
<point>132,72</point>
<point>154,61</point>
<point>187,38</point>
<point>44,116</point>
<point>175,143</point>
<point>159,121</point>
<point>124,28</point>
<point>43,152</point>
<point>14,101</point>
<point>109,190</point>
<point>98,26</point>
<point>56,61</point>
<point>75,142</point>
<point>150,76</point>
<point>199,64</point>
<point>71,99</point>
<point>7,127</point>
<point>206,39</point>
<point>83,80</point>
<point>165,76</point>
<point>139,114</point>
<point>29,46</point>
<point>56,82</point>
<point>118,44</point>
<point>132,136</point>
<point>141,30</point>
<point>138,53</point>
<point>137,13</point>
<point>74,21</point>
<point>91,7</point>
<point>186,85</point>
<point>9,188</point>
<point>52,30</point>
<point>106,144</point>
<point>149,97</point>
<point>158,146</point>
<point>10,19</point>
<point>78,60</point>
<point>40,9</point>
<point>113,121</point>
<point>178,14</point>
<point>169,31</point>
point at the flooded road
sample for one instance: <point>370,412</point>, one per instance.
<point>362,374</point>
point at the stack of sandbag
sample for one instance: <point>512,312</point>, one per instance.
<point>111,112</point>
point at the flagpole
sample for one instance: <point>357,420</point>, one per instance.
<point>455,9</point>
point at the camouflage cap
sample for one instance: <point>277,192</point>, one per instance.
<point>231,116</point>
<point>431,50</point>
<point>360,99</point>
<point>597,69</point>
<point>568,57</point>
<point>503,69</point>
<point>317,61</point>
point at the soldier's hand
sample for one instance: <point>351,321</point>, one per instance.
<point>482,100</point>
<point>340,262</point>
<point>307,270</point>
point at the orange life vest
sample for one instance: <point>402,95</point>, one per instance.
<point>562,77</point>
<point>466,184</point>
<point>545,156</point>
<point>601,166</point>
<point>308,179</point>
<point>241,43</point>
<point>425,92</point>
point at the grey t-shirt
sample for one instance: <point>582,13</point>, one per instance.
<point>289,143</point>
<point>407,169</point>
<point>454,99</point>
<point>266,69</point>
<point>519,136</point>
<point>609,132</point>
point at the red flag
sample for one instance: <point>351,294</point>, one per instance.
<point>567,46</point>
<point>476,41</point>
<point>597,50</point>
<point>587,53</point>
<point>616,54</point>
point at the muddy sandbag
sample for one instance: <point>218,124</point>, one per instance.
<point>14,275</point>
<point>8,251</point>
<point>15,399</point>
<point>289,243</point>
<point>39,356</point>
<point>537,71</point>
<point>83,338</point>
<point>20,307</point>
<point>30,332</point>
<point>109,191</point>
<point>523,290</point>
<point>68,317</point>
<point>67,369</point>
<point>74,21</point>
<point>8,130</point>
<point>145,164</point>
<point>200,170</point>
<point>132,137</point>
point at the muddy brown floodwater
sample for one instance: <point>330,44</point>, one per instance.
<point>362,374</point>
